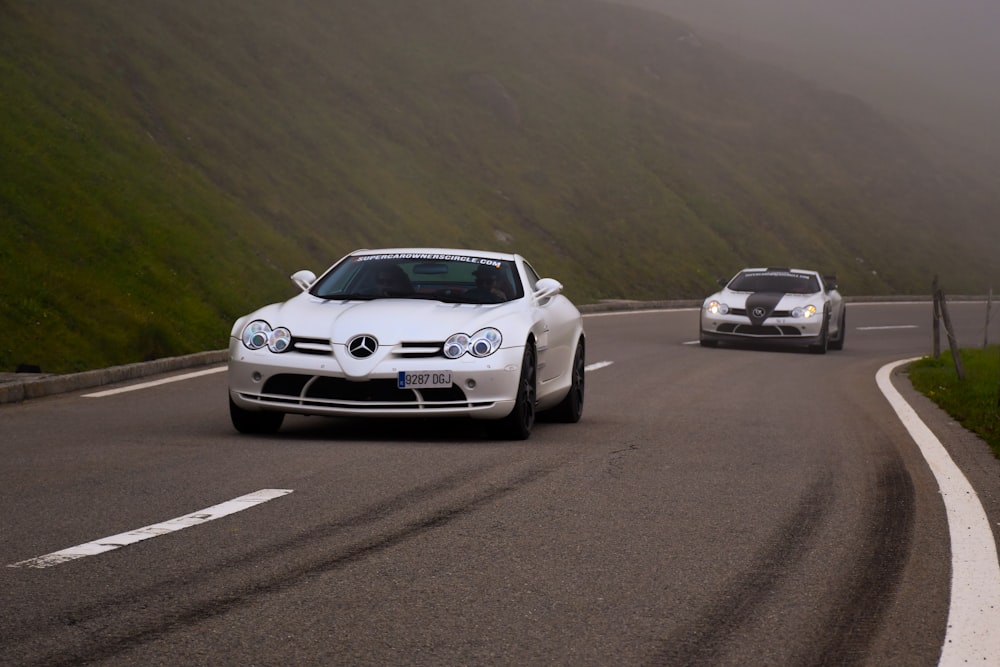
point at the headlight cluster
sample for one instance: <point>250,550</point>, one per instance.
<point>483,343</point>
<point>804,312</point>
<point>717,308</point>
<point>259,334</point>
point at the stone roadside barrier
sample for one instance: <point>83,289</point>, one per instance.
<point>17,387</point>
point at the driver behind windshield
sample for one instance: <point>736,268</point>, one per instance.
<point>486,289</point>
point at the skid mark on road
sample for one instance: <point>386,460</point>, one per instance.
<point>855,616</point>
<point>148,615</point>
<point>703,641</point>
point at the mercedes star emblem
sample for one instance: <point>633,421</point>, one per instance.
<point>362,347</point>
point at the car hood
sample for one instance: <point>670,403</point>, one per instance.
<point>391,321</point>
<point>772,300</point>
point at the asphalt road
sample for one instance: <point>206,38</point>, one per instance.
<point>713,507</point>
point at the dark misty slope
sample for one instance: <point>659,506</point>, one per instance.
<point>168,165</point>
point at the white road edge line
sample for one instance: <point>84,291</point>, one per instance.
<point>973,633</point>
<point>140,534</point>
<point>154,383</point>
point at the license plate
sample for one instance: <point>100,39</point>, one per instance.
<point>423,379</point>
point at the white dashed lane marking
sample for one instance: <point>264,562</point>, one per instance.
<point>155,530</point>
<point>597,365</point>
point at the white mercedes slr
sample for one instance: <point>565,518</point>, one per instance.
<point>776,306</point>
<point>412,332</point>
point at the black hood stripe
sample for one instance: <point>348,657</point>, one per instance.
<point>760,305</point>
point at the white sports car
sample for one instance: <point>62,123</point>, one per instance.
<point>412,332</point>
<point>776,306</point>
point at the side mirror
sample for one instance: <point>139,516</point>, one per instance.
<point>546,288</point>
<point>304,279</point>
<point>830,282</point>
<point>722,282</point>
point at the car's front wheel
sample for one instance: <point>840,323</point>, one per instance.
<point>570,409</point>
<point>823,342</point>
<point>705,342</point>
<point>254,421</point>
<point>518,424</point>
<point>838,342</point>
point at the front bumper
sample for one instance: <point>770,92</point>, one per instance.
<point>773,330</point>
<point>308,384</point>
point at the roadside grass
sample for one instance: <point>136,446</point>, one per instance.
<point>972,402</point>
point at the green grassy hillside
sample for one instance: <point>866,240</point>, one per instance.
<point>166,166</point>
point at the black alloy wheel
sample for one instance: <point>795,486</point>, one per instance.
<point>518,424</point>
<point>570,409</point>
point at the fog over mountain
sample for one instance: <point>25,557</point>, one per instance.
<point>935,63</point>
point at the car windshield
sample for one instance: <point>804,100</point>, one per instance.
<point>449,278</point>
<point>784,282</point>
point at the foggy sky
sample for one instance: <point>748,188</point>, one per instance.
<point>936,62</point>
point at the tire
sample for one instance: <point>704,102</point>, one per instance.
<point>838,342</point>
<point>705,342</point>
<point>570,409</point>
<point>254,422</point>
<point>518,424</point>
<point>824,336</point>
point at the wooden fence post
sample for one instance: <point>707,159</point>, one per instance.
<point>936,321</point>
<point>952,342</point>
<point>986,329</point>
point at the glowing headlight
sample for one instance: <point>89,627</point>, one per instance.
<point>717,308</point>
<point>804,311</point>
<point>481,344</point>
<point>259,334</point>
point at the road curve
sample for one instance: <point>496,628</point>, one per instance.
<point>714,506</point>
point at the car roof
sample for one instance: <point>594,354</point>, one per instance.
<point>783,269</point>
<point>436,253</point>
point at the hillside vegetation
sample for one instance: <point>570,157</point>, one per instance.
<point>166,165</point>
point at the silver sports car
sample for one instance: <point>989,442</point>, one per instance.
<point>412,332</point>
<point>776,306</point>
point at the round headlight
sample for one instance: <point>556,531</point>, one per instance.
<point>456,345</point>
<point>281,340</point>
<point>717,308</point>
<point>804,311</point>
<point>485,342</point>
<point>256,334</point>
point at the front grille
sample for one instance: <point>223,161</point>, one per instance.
<point>312,345</point>
<point>320,391</point>
<point>776,313</point>
<point>418,350</point>
<point>764,330</point>
<point>407,350</point>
